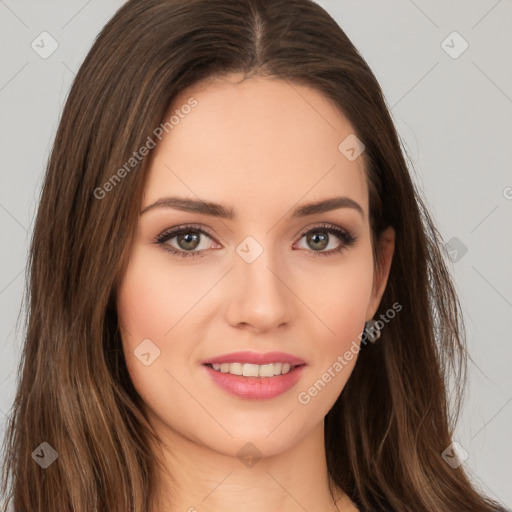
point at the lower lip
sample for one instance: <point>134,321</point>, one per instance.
<point>256,388</point>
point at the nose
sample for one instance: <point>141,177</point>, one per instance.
<point>259,298</point>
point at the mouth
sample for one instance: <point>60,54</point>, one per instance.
<point>254,376</point>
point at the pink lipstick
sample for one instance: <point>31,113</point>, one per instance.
<point>255,376</point>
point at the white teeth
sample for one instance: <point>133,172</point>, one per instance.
<point>266,370</point>
<point>236,368</point>
<point>251,370</point>
<point>254,370</point>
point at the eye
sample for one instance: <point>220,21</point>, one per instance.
<point>188,241</point>
<point>321,237</point>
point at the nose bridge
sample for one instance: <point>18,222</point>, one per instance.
<point>261,298</point>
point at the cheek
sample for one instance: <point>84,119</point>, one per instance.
<point>143,312</point>
<point>341,296</point>
<point>139,307</point>
<point>341,304</point>
<point>156,302</point>
<point>151,299</point>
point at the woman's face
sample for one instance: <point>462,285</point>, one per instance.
<point>287,283</point>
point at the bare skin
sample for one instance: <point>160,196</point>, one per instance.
<point>263,148</point>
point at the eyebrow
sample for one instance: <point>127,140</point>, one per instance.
<point>224,212</point>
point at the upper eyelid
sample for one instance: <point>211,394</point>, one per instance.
<point>324,225</point>
<point>191,227</point>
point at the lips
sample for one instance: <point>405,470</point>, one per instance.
<point>256,358</point>
<point>244,384</point>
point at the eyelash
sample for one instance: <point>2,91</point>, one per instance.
<point>345,236</point>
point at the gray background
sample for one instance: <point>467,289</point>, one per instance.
<point>454,116</point>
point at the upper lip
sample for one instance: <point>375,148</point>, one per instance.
<point>256,358</point>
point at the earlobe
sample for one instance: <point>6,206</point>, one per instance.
<point>385,251</point>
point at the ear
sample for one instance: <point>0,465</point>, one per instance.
<point>385,250</point>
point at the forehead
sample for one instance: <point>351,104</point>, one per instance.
<point>261,140</point>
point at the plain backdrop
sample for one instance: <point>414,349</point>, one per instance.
<point>446,71</point>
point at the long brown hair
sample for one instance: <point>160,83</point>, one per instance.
<point>393,420</point>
